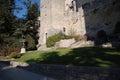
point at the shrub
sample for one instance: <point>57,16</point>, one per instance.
<point>55,38</point>
<point>30,42</point>
<point>5,51</point>
<point>68,37</point>
<point>13,55</point>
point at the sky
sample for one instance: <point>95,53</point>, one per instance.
<point>21,13</point>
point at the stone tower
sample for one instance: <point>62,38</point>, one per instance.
<point>78,17</point>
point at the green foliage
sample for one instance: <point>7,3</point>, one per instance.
<point>33,13</point>
<point>30,43</point>
<point>12,28</point>
<point>9,42</point>
<point>86,56</point>
<point>12,42</point>
<point>7,25</point>
<point>55,38</point>
<point>16,43</point>
<point>6,50</point>
<point>13,55</point>
<point>29,28</point>
<point>6,16</point>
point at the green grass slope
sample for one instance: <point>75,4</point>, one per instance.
<point>88,56</point>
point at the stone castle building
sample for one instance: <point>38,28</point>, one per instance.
<point>77,17</point>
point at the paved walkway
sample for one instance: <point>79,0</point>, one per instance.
<point>10,73</point>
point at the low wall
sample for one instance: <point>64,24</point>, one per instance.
<point>61,72</point>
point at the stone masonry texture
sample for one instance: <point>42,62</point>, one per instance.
<point>77,16</point>
<point>62,72</point>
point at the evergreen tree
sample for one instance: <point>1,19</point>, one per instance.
<point>7,19</point>
<point>6,16</point>
<point>30,29</point>
<point>7,27</point>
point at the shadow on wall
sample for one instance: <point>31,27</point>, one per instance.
<point>101,18</point>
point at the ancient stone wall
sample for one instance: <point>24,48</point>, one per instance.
<point>62,72</point>
<point>45,21</point>
<point>101,16</point>
<point>77,17</point>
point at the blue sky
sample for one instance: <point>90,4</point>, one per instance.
<point>22,12</point>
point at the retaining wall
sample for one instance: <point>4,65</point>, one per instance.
<point>62,72</point>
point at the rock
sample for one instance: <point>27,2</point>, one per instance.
<point>42,47</point>
<point>65,43</point>
<point>15,64</point>
<point>82,44</point>
<point>107,45</point>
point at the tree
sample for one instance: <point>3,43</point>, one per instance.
<point>29,26</point>
<point>7,27</point>
<point>12,28</point>
<point>6,16</point>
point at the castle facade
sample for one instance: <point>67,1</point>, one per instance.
<point>77,17</point>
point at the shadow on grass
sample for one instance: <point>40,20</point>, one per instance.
<point>88,56</point>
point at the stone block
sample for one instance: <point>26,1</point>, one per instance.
<point>107,45</point>
<point>65,43</point>
<point>15,64</point>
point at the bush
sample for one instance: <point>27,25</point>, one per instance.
<point>30,42</point>
<point>55,38</point>
<point>13,55</point>
<point>5,51</point>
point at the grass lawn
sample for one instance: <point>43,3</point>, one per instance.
<point>3,58</point>
<point>88,56</point>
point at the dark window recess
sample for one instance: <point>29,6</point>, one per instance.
<point>113,3</point>
<point>71,7</point>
